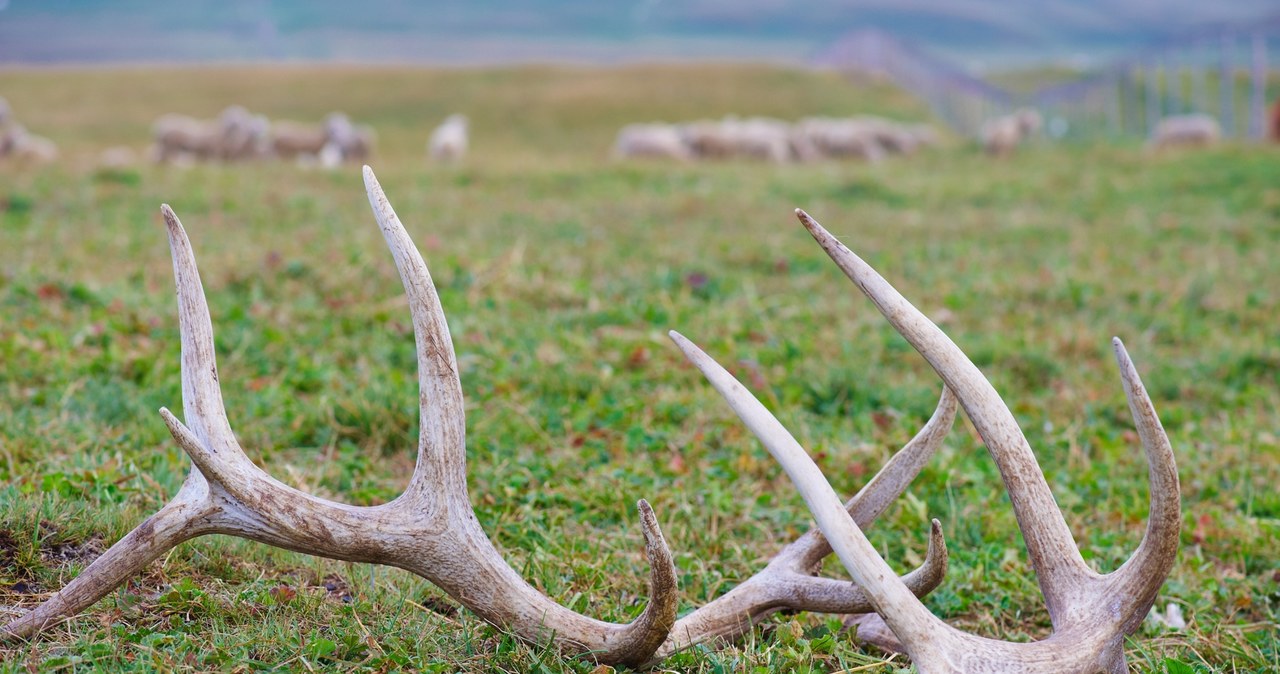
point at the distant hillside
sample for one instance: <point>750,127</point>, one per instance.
<point>489,31</point>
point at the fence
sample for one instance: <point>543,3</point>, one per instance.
<point>1219,71</point>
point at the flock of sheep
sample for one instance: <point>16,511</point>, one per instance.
<point>20,144</point>
<point>238,135</point>
<point>761,138</point>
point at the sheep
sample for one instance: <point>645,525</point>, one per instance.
<point>6,113</point>
<point>651,141</point>
<point>754,138</point>
<point>707,139</point>
<point>179,136</point>
<point>449,141</point>
<point>1002,135</point>
<point>291,139</point>
<point>1186,131</point>
<point>839,138</point>
<point>24,146</point>
<point>760,138</point>
<point>242,135</point>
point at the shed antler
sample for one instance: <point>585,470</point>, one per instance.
<point>790,581</point>
<point>1091,613</point>
<point>431,529</point>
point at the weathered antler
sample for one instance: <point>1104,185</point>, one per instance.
<point>429,530</point>
<point>1091,613</point>
<point>790,581</point>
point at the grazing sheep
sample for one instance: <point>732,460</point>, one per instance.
<point>243,135</point>
<point>178,136</point>
<point>291,139</point>
<point>760,138</point>
<point>24,146</point>
<point>753,138</point>
<point>1186,131</point>
<point>840,138</point>
<point>651,141</point>
<point>707,139</point>
<point>449,141</point>
<point>1002,135</point>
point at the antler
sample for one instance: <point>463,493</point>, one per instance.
<point>1091,613</point>
<point>790,581</point>
<point>430,529</point>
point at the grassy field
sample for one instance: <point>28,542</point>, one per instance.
<point>561,271</point>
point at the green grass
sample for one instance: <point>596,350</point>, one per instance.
<point>560,272</point>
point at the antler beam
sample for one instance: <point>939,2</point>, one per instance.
<point>1091,613</point>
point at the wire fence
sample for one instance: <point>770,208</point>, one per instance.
<point>1221,71</point>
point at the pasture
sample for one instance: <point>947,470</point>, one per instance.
<point>560,272</point>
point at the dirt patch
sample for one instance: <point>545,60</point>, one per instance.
<point>336,588</point>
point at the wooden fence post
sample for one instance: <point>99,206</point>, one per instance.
<point>1257,97</point>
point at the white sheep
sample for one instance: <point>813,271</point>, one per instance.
<point>651,141</point>
<point>1002,135</point>
<point>449,141</point>
<point>1186,131</point>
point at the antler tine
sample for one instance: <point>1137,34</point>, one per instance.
<point>816,594</point>
<point>201,394</point>
<point>442,442</point>
<point>886,592</point>
<point>789,581</point>
<point>431,530</point>
<point>1091,613</point>
<point>1053,551</point>
<point>1144,572</point>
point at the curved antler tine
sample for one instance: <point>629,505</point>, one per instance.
<point>442,444</point>
<point>887,593</point>
<point>647,633</point>
<point>201,395</point>
<point>1143,574</point>
<point>789,582</point>
<point>828,595</point>
<point>1053,551</point>
<point>178,521</point>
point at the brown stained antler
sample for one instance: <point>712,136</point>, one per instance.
<point>1091,613</point>
<point>429,530</point>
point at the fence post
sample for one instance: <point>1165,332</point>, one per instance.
<point>1151,77</point>
<point>1227,85</point>
<point>1129,102</point>
<point>1257,97</point>
<point>1199,78</point>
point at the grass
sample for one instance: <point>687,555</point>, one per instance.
<point>560,272</point>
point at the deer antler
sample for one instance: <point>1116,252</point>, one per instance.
<point>429,530</point>
<point>1091,613</point>
<point>790,581</point>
